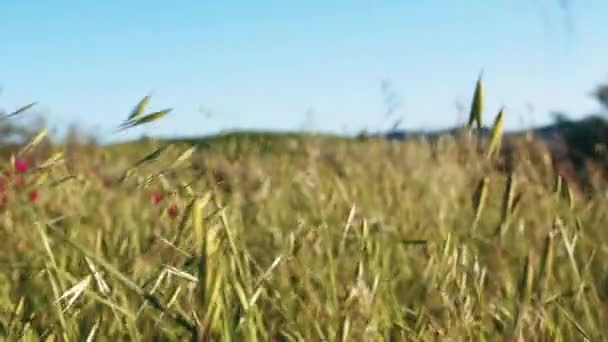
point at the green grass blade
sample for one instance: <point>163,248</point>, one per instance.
<point>20,110</point>
<point>139,108</point>
<point>479,199</point>
<point>496,135</point>
<point>475,116</point>
<point>128,283</point>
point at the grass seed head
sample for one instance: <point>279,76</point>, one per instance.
<point>475,116</point>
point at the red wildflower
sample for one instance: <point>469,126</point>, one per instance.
<point>157,196</point>
<point>172,211</point>
<point>34,195</point>
<point>21,165</point>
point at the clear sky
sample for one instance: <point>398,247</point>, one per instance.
<point>265,64</point>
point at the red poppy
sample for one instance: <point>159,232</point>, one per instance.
<point>157,196</point>
<point>34,195</point>
<point>21,165</point>
<point>172,211</point>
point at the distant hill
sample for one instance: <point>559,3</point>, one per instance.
<point>579,139</point>
<point>576,141</point>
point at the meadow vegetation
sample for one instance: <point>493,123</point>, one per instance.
<point>301,238</point>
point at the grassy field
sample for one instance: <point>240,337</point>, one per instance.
<point>320,239</point>
<point>300,238</point>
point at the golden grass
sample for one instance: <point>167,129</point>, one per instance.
<point>349,240</point>
<point>301,239</point>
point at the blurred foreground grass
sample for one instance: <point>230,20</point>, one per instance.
<point>301,239</point>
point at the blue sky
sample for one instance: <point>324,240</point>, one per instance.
<point>265,64</point>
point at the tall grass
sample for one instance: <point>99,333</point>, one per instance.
<point>318,241</point>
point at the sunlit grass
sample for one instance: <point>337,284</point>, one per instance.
<point>300,239</point>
